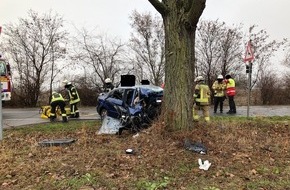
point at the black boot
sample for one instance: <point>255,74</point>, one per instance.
<point>64,119</point>
<point>52,119</point>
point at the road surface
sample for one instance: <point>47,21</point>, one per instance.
<point>13,117</point>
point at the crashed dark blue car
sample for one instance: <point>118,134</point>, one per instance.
<point>135,106</point>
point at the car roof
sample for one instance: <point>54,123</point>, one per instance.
<point>149,87</point>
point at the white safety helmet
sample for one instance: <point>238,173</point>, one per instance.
<point>220,77</point>
<point>65,82</point>
<point>54,92</point>
<point>108,80</point>
<point>199,78</point>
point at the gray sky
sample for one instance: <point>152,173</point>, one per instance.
<point>267,14</point>
<point>111,16</point>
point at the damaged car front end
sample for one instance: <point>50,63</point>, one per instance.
<point>135,107</point>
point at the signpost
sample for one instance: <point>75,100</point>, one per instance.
<point>249,57</point>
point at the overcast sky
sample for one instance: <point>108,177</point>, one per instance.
<point>111,16</point>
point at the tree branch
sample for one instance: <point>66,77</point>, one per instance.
<point>196,9</point>
<point>159,6</point>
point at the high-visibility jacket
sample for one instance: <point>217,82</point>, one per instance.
<point>73,95</point>
<point>56,97</point>
<point>219,88</point>
<point>231,87</point>
<point>202,94</point>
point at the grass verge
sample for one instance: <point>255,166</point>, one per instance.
<point>245,154</point>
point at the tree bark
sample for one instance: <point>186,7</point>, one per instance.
<point>180,19</point>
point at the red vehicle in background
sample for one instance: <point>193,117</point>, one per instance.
<point>6,80</point>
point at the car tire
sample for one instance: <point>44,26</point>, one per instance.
<point>103,113</point>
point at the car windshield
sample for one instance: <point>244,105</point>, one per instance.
<point>151,90</point>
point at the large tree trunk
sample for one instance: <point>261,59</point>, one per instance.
<point>180,19</point>
<point>179,71</point>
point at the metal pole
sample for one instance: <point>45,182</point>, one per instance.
<point>249,88</point>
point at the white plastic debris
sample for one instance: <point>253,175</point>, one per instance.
<point>137,135</point>
<point>129,151</point>
<point>204,165</point>
<point>110,126</point>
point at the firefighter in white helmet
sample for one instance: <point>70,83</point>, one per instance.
<point>108,86</point>
<point>201,99</point>
<point>74,99</point>
<point>219,87</point>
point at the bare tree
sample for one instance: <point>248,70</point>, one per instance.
<point>147,43</point>
<point>180,20</point>
<point>208,48</point>
<point>219,49</point>
<point>264,50</point>
<point>32,44</point>
<point>285,83</point>
<point>102,57</point>
<point>268,84</point>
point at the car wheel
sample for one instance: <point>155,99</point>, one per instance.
<point>103,113</point>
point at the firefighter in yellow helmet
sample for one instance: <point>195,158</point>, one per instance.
<point>201,99</point>
<point>74,99</point>
<point>57,100</point>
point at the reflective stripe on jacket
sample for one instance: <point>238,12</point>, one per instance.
<point>73,95</point>
<point>219,89</point>
<point>56,97</point>
<point>231,87</point>
<point>202,94</point>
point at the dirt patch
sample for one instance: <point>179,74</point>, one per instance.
<point>244,155</point>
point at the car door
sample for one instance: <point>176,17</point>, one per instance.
<point>115,98</point>
<point>129,97</point>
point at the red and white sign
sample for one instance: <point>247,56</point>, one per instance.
<point>249,56</point>
<point>0,29</point>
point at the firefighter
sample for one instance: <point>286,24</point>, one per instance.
<point>201,99</point>
<point>108,86</point>
<point>219,87</point>
<point>57,100</point>
<point>231,92</point>
<point>74,99</point>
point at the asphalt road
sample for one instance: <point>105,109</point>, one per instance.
<point>27,116</point>
<point>261,110</point>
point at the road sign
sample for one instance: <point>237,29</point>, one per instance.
<point>249,56</point>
